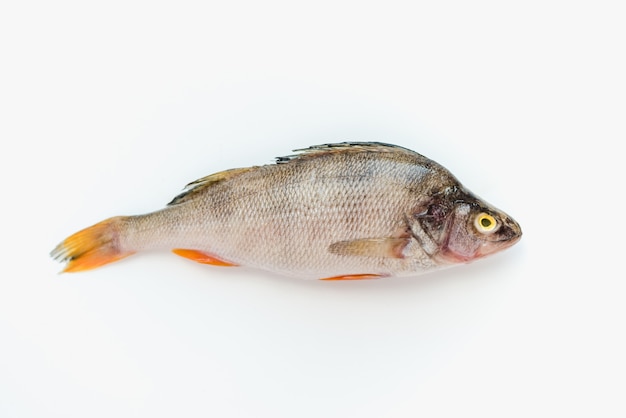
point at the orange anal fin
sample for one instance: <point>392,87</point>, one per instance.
<point>202,257</point>
<point>355,277</point>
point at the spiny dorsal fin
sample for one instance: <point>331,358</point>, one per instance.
<point>199,185</point>
<point>341,147</point>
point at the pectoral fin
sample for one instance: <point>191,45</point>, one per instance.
<point>202,257</point>
<point>371,247</point>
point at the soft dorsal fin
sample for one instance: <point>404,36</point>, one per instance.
<point>203,183</point>
<point>341,147</point>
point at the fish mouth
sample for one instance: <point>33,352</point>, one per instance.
<point>491,247</point>
<point>447,255</point>
<point>509,235</point>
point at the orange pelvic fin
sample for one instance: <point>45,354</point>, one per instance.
<point>92,247</point>
<point>202,257</point>
<point>355,277</point>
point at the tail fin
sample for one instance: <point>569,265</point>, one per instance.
<point>92,247</point>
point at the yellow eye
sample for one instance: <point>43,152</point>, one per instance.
<point>485,223</point>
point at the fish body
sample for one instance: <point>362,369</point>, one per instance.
<point>333,211</point>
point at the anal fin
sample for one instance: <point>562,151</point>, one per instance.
<point>202,257</point>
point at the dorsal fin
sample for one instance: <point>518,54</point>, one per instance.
<point>193,188</point>
<point>203,183</point>
<point>341,147</point>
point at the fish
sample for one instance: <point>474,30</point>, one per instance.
<point>339,211</point>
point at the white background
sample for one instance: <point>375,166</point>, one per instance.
<point>110,108</point>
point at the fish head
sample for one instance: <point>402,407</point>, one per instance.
<point>460,228</point>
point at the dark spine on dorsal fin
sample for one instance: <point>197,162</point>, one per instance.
<point>192,189</point>
<point>341,147</point>
<point>198,186</point>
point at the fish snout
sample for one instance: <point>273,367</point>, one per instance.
<point>509,233</point>
<point>511,230</point>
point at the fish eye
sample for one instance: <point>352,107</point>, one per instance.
<point>485,223</point>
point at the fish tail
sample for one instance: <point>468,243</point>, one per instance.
<point>93,247</point>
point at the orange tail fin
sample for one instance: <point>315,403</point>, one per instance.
<point>92,247</point>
